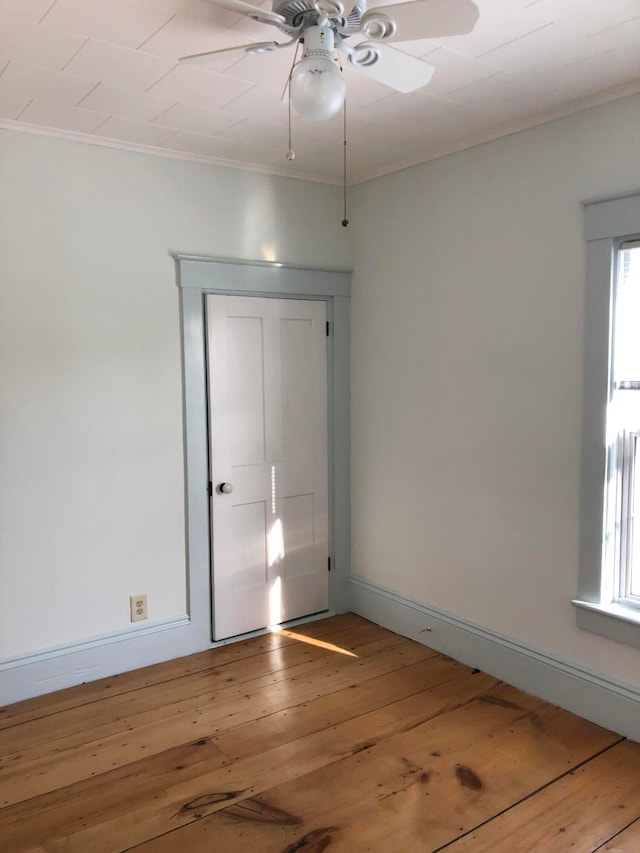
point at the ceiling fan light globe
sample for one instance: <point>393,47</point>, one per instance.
<point>317,88</point>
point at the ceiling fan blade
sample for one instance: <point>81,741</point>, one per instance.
<point>428,19</point>
<point>399,70</point>
<point>256,13</point>
<point>203,58</point>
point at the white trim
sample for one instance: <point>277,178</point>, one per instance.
<point>509,129</point>
<point>74,663</point>
<point>603,700</point>
<point>613,219</point>
<point>94,642</point>
<point>607,223</point>
<point>197,276</point>
<point>236,275</point>
<point>155,151</point>
<point>615,620</point>
<point>70,664</point>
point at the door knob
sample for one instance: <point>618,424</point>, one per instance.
<point>225,488</point>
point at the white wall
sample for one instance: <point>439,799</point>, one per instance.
<point>91,446</point>
<point>467,308</point>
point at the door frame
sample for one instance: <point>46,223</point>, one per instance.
<point>196,277</point>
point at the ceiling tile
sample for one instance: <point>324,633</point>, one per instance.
<point>25,41</point>
<point>29,10</point>
<point>542,50</point>
<point>405,110</point>
<point>51,114</point>
<point>200,145</point>
<point>259,133</point>
<point>259,103</point>
<point>120,66</point>
<point>362,90</point>
<point>323,165</point>
<point>599,74</point>
<point>38,83</point>
<point>500,22</point>
<point>495,94</point>
<point>12,105</point>
<point>382,117</point>
<point>204,89</point>
<point>120,102</point>
<point>123,22</point>
<point>593,17</point>
<point>201,28</point>
<point>526,61</point>
<point>453,70</point>
<point>310,149</point>
<point>619,36</point>
<point>196,120</point>
<point>305,163</point>
<point>171,7</point>
<point>267,69</point>
<point>136,132</point>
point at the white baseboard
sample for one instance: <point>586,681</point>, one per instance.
<point>74,663</point>
<point>610,703</point>
<point>69,664</point>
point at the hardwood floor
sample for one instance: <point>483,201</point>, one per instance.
<point>337,735</point>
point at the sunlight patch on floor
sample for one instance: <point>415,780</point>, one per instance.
<point>321,644</point>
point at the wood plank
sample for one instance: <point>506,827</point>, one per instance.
<point>121,741</point>
<point>326,711</point>
<point>580,811</point>
<point>628,841</point>
<point>95,691</point>
<point>267,667</point>
<point>307,748</point>
<point>73,819</point>
<point>140,781</point>
<point>415,790</point>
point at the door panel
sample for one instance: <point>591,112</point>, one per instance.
<point>245,389</point>
<point>250,564</point>
<point>297,514</point>
<point>267,363</point>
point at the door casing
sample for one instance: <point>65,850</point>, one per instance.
<point>196,277</point>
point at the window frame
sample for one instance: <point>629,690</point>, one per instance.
<point>608,225</point>
<point>629,472</point>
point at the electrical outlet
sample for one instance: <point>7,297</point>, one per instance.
<point>138,604</point>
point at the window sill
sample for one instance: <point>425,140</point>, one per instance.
<point>611,620</point>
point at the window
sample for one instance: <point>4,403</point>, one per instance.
<point>608,599</point>
<point>621,578</point>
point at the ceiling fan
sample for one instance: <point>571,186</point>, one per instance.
<point>316,86</point>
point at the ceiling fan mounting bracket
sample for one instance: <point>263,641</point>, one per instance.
<point>300,14</point>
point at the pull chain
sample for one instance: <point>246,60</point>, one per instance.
<point>345,221</point>
<point>291,154</point>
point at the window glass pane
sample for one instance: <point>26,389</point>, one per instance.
<point>626,355</point>
<point>634,491</point>
<point>624,420</point>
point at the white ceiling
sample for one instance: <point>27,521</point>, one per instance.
<point>106,71</point>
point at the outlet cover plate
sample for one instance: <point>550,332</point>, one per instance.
<point>138,604</point>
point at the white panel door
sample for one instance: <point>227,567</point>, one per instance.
<point>267,372</point>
